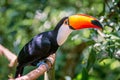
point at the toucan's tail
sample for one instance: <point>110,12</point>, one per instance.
<point>19,71</point>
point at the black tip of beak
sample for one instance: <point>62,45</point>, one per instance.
<point>97,23</point>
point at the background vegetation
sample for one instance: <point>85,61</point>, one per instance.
<point>85,55</point>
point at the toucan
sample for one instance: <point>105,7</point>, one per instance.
<point>47,43</point>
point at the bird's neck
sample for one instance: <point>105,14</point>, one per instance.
<point>63,33</point>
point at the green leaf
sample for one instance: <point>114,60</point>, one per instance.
<point>91,59</point>
<point>84,74</point>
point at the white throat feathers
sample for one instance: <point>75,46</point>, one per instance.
<point>63,33</point>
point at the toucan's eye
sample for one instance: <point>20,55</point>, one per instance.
<point>66,22</point>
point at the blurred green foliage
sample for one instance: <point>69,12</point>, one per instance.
<point>85,56</point>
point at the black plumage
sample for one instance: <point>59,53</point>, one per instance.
<point>40,47</point>
<point>46,43</point>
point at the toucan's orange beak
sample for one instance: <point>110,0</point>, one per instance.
<point>81,21</point>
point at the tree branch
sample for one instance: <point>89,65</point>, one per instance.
<point>33,74</point>
<point>9,55</point>
<point>38,71</point>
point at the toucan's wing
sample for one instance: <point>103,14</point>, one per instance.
<point>38,47</point>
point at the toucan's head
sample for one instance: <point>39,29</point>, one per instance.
<point>81,21</point>
<point>74,22</point>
